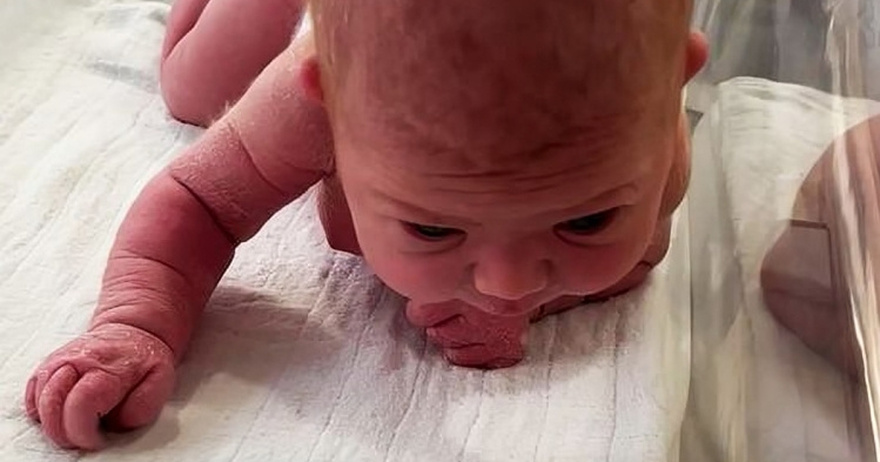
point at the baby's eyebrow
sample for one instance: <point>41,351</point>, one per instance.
<point>624,194</point>
<point>424,216</point>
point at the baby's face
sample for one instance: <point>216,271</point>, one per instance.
<point>508,237</point>
<point>504,213</point>
<point>499,160</point>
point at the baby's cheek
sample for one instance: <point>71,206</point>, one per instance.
<point>593,270</point>
<point>425,283</point>
<point>417,277</point>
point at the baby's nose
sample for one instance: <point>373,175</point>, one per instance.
<point>511,274</point>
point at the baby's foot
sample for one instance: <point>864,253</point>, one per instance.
<point>470,337</point>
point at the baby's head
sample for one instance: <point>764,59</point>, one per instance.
<point>504,152</point>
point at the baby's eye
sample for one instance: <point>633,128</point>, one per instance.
<point>590,224</point>
<point>432,233</point>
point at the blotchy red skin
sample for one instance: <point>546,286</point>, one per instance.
<point>180,234</point>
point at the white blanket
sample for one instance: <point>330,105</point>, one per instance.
<point>302,354</point>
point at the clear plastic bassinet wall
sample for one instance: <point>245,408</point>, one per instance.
<point>784,213</point>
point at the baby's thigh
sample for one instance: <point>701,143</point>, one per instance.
<point>214,49</point>
<point>184,15</point>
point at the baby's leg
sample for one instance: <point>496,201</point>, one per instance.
<point>214,49</point>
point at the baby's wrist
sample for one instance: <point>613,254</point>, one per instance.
<point>175,338</point>
<point>110,327</point>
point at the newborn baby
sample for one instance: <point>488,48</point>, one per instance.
<point>493,161</point>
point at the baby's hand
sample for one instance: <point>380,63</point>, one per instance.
<point>115,376</point>
<point>470,337</point>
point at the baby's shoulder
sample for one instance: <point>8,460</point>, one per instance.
<point>277,116</point>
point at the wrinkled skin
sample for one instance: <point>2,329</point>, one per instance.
<point>474,297</point>
<point>115,375</point>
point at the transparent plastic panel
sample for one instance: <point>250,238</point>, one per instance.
<point>784,213</point>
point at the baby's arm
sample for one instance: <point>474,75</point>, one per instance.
<point>183,228</point>
<point>170,252</point>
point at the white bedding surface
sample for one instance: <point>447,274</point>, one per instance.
<point>302,355</point>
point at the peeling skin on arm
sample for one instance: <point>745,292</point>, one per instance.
<point>181,232</point>
<point>170,252</point>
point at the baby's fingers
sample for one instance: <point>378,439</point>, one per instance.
<point>93,396</point>
<point>143,405</point>
<point>35,388</point>
<point>49,403</point>
<point>30,399</point>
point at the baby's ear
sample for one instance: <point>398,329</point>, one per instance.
<point>310,79</point>
<point>697,54</point>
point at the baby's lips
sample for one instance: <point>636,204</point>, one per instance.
<point>483,357</point>
<point>563,303</point>
<point>431,314</point>
<point>447,337</point>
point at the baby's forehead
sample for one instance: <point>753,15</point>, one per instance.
<point>569,37</point>
<point>517,162</point>
<point>552,177</point>
<point>463,69</point>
